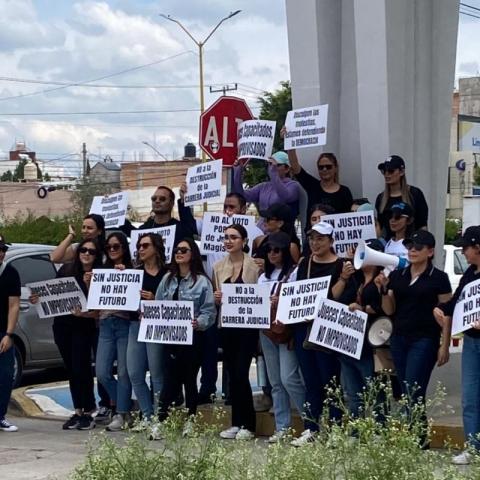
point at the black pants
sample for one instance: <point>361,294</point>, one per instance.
<point>74,338</point>
<point>209,359</point>
<point>102,392</point>
<point>239,347</point>
<point>181,364</point>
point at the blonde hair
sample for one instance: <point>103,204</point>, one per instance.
<point>405,190</point>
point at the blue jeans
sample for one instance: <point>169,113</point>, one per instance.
<point>471,389</point>
<point>284,375</point>
<point>112,344</point>
<point>143,356</point>
<point>318,370</point>
<point>414,360</point>
<point>7,362</point>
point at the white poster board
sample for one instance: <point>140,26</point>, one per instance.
<point>349,229</point>
<point>204,183</point>
<point>59,296</point>
<point>166,321</point>
<point>245,305</point>
<point>255,139</point>
<point>337,328</point>
<point>168,236</point>
<point>297,300</point>
<point>112,289</point>
<point>113,208</point>
<point>214,226</point>
<point>306,127</point>
<point>467,309</point>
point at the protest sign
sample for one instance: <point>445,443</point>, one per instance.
<point>255,139</point>
<point>166,321</point>
<point>112,289</point>
<point>349,229</point>
<point>168,237</point>
<point>306,127</point>
<point>112,208</point>
<point>337,328</point>
<point>467,309</point>
<point>58,296</point>
<point>214,226</point>
<point>297,300</point>
<point>245,305</point>
<point>204,183</point>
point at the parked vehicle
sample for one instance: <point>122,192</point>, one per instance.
<point>455,264</point>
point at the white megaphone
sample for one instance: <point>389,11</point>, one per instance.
<point>380,332</point>
<point>364,255</point>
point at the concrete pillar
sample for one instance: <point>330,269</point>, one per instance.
<point>386,68</point>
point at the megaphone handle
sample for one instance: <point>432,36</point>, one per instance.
<point>387,271</point>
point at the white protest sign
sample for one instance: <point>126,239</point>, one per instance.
<point>337,328</point>
<point>349,229</point>
<point>168,237</point>
<point>58,296</point>
<point>297,300</point>
<point>166,321</point>
<point>245,305</point>
<point>306,127</point>
<point>112,289</point>
<point>467,309</point>
<point>204,183</point>
<point>214,226</point>
<point>255,139</point>
<point>112,208</point>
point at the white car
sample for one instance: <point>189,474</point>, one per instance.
<point>455,264</point>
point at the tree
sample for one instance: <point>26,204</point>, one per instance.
<point>7,176</point>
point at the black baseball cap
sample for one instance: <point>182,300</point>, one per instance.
<point>393,162</point>
<point>471,236</point>
<point>375,244</point>
<point>402,208</point>
<point>279,211</point>
<point>421,237</point>
<point>279,239</point>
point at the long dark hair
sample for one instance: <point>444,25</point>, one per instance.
<point>158,246</point>
<point>243,233</point>
<point>100,224</point>
<point>126,258</point>
<point>196,264</point>
<point>287,260</point>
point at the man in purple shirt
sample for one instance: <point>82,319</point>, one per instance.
<point>280,189</point>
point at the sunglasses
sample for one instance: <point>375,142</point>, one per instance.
<point>274,249</point>
<point>415,246</point>
<point>114,247</point>
<point>158,198</point>
<point>329,166</point>
<point>90,251</point>
<point>181,250</point>
<point>397,216</point>
<point>143,246</point>
<point>389,170</point>
<point>232,237</point>
<point>226,206</point>
<point>275,219</point>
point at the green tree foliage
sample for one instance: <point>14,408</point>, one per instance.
<point>18,173</point>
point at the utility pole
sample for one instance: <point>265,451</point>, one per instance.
<point>224,89</point>
<point>84,158</point>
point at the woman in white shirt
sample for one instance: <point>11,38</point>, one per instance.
<point>401,224</point>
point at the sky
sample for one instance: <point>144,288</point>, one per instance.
<point>152,63</point>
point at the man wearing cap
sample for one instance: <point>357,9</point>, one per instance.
<point>10,289</point>
<point>470,243</point>
<point>280,189</point>
<point>397,190</point>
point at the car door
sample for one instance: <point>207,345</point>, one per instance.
<point>35,267</point>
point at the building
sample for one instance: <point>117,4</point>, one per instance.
<point>107,172</point>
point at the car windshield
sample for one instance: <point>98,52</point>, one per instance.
<point>460,262</point>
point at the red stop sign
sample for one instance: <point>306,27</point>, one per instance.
<point>218,128</point>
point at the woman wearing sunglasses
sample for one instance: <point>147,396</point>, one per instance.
<point>143,356</point>
<point>187,281</point>
<point>398,190</point>
<point>239,344</point>
<point>410,295</point>
<point>113,339</point>
<point>400,222</point>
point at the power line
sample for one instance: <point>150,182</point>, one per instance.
<point>14,114</point>
<point>469,6</point>
<point>470,14</point>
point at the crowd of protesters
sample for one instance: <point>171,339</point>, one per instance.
<point>418,298</point>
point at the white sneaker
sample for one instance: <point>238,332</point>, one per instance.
<point>277,436</point>
<point>117,423</point>
<point>244,434</point>
<point>155,432</point>
<point>306,437</point>
<point>463,458</point>
<point>6,426</point>
<point>230,433</point>
<point>187,429</point>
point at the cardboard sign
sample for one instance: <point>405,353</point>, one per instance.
<point>467,309</point>
<point>214,226</point>
<point>168,237</point>
<point>204,183</point>
<point>306,127</point>
<point>113,208</point>
<point>337,328</point>
<point>245,305</point>
<point>255,139</point>
<point>297,300</point>
<point>349,229</point>
<point>166,321</point>
<point>58,297</point>
<point>112,289</point>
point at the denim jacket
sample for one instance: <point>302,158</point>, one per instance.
<point>201,294</point>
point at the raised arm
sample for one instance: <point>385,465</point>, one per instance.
<point>64,252</point>
<point>288,192</point>
<point>251,194</point>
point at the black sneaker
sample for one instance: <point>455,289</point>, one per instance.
<point>71,423</point>
<point>86,422</point>
<point>103,416</point>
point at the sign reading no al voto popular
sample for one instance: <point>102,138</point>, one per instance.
<point>467,309</point>
<point>306,127</point>
<point>113,208</point>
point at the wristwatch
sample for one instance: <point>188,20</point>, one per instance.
<point>7,334</point>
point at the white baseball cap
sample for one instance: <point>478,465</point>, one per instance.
<point>323,228</point>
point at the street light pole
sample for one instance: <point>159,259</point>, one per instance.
<point>155,150</point>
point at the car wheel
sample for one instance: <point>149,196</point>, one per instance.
<point>17,367</point>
